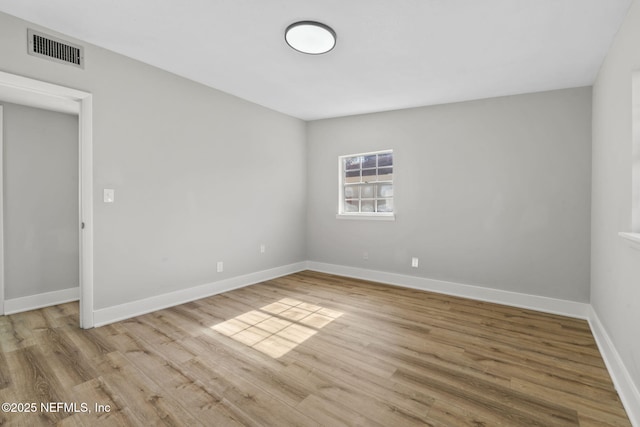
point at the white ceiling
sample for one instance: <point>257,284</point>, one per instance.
<point>390,54</point>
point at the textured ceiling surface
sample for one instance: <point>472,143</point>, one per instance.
<point>389,54</point>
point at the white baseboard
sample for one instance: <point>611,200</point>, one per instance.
<point>32,302</point>
<point>136,308</point>
<point>532,302</point>
<point>628,392</point>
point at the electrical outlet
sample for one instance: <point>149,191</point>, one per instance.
<point>365,256</point>
<point>263,248</point>
<point>220,266</point>
<point>414,262</point>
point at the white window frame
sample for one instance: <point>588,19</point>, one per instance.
<point>380,216</point>
<point>633,235</point>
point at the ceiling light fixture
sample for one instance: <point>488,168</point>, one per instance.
<point>310,37</point>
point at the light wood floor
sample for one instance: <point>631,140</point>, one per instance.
<point>310,349</point>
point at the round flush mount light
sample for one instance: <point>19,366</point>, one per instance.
<point>310,37</point>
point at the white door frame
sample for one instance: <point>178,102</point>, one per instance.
<point>22,90</point>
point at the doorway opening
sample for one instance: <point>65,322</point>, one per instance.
<point>34,93</point>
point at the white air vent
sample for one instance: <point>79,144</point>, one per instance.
<point>45,46</point>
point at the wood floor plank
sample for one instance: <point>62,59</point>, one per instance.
<point>5,378</point>
<point>94,392</point>
<point>253,369</point>
<point>327,414</point>
<point>261,407</point>
<point>63,355</point>
<point>311,349</point>
<point>445,414</point>
<point>187,391</point>
<point>514,365</point>
<point>497,405</point>
<point>32,381</point>
<point>597,409</point>
<point>387,410</point>
<point>130,388</point>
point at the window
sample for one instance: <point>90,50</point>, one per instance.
<point>634,234</point>
<point>635,153</point>
<point>366,185</point>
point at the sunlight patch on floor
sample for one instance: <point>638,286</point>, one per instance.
<point>279,327</point>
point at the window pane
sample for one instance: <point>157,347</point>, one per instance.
<point>369,172</point>
<point>351,206</point>
<point>351,163</point>
<point>368,206</point>
<point>369,161</point>
<point>385,174</point>
<point>367,192</point>
<point>385,205</point>
<point>385,190</point>
<point>385,159</point>
<point>352,176</point>
<point>385,171</point>
<point>351,191</point>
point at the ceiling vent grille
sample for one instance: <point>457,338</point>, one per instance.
<point>45,46</point>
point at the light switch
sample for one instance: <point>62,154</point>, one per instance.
<point>109,195</point>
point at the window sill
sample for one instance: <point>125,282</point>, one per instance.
<point>633,238</point>
<point>368,217</point>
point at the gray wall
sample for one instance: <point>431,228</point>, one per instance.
<point>40,201</point>
<point>615,265</point>
<point>200,176</point>
<point>493,193</point>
